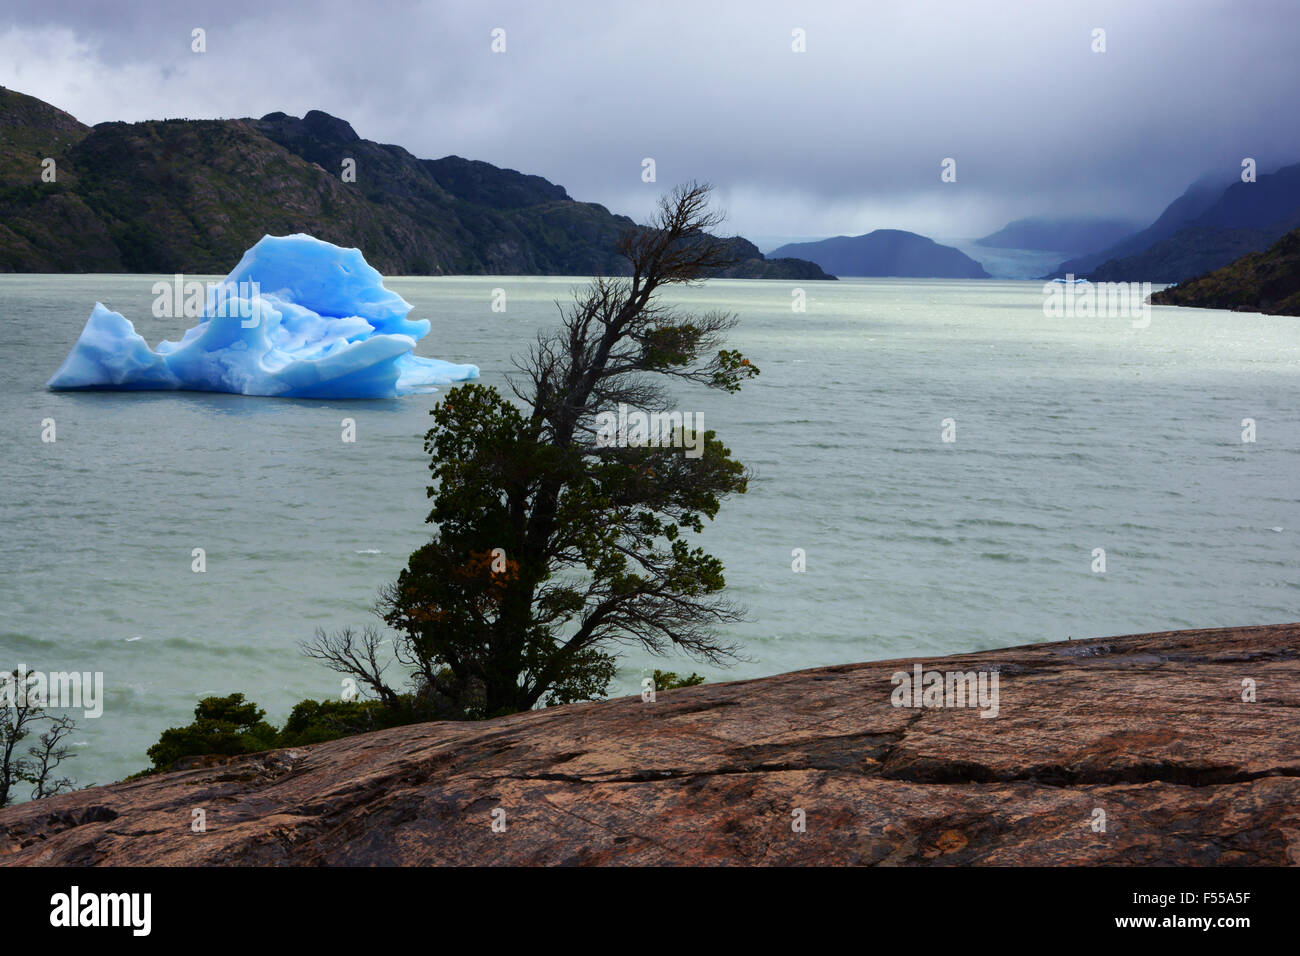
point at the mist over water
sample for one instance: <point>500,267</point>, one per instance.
<point>1072,434</point>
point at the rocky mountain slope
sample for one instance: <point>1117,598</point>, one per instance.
<point>1266,281</point>
<point>1207,227</point>
<point>1198,197</point>
<point>178,195</point>
<point>1128,750</point>
<point>1059,234</point>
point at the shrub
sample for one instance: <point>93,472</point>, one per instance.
<point>222,725</point>
<point>667,680</point>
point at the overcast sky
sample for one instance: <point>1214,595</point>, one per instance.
<point>841,139</point>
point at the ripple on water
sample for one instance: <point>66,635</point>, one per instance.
<point>913,546</point>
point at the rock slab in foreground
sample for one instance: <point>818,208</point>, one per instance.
<point>1149,729</point>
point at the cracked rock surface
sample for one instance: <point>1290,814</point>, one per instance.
<point>1148,733</point>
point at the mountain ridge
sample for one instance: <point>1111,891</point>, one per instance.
<point>1210,225</point>
<point>1062,234</point>
<point>180,195</point>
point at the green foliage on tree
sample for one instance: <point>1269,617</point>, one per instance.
<point>222,725</point>
<point>232,726</point>
<point>311,721</point>
<point>555,544</point>
<point>667,680</point>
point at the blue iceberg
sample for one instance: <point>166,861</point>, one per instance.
<point>297,318</point>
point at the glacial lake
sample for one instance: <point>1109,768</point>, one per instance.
<point>1072,434</point>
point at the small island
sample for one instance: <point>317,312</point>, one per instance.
<point>887,253</point>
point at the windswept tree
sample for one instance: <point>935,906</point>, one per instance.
<point>23,717</point>
<point>558,536</point>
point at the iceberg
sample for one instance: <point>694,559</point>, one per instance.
<point>297,318</point>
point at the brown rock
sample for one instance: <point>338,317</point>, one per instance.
<point>1149,730</point>
<point>203,760</point>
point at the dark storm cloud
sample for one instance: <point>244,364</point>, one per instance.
<point>845,137</point>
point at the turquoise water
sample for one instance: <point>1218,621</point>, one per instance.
<point>1072,434</point>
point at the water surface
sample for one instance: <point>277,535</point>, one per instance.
<point>1072,434</point>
